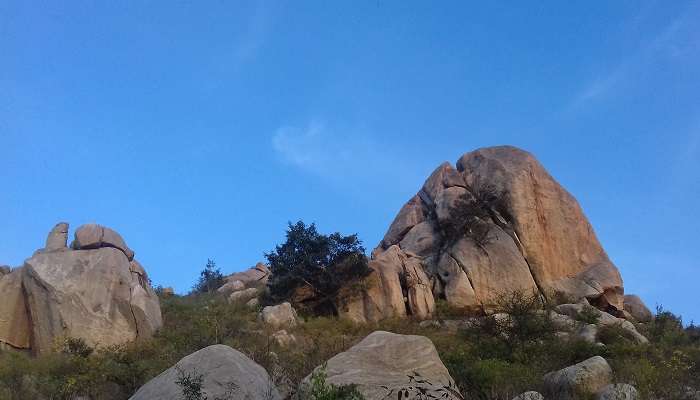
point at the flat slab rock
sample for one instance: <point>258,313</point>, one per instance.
<point>387,365</point>
<point>227,373</point>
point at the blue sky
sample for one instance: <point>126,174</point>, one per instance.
<point>198,129</point>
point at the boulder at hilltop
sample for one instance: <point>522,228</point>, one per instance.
<point>387,365</point>
<point>495,223</point>
<point>96,294</point>
<point>94,236</point>
<point>226,373</point>
<point>252,276</point>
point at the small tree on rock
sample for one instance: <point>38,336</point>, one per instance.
<point>320,264</point>
<point>210,278</point>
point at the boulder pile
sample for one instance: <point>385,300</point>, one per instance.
<point>94,290</point>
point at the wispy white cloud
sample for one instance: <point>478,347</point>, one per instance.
<point>679,39</point>
<point>338,153</point>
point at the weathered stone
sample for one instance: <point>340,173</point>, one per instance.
<point>619,391</point>
<point>98,295</point>
<point>529,396</point>
<point>87,294</point>
<point>5,269</point>
<point>385,364</point>
<point>168,291</point>
<point>253,303</point>
<point>226,373</point>
<point>243,296</point>
<point>257,275</point>
<point>585,378</point>
<point>526,234</point>
<point>15,328</point>
<point>636,307</point>
<point>589,333</point>
<point>94,236</point>
<point>279,316</point>
<point>58,237</point>
<point>231,286</point>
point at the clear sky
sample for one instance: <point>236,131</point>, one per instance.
<point>198,129</point>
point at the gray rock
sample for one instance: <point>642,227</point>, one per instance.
<point>585,378</point>
<point>58,237</point>
<point>529,396</point>
<point>226,372</point>
<point>243,296</point>
<point>258,274</point>
<point>253,303</point>
<point>5,269</point>
<point>279,316</point>
<point>231,286</point>
<point>619,391</point>
<point>385,364</point>
<point>588,333</point>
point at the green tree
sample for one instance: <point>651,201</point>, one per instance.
<point>321,264</point>
<point>210,278</point>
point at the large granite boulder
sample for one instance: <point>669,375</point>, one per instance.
<point>279,316</point>
<point>638,310</point>
<point>583,379</point>
<point>226,374</point>
<point>387,365</point>
<point>96,294</point>
<point>94,236</point>
<point>494,224</point>
<point>258,274</point>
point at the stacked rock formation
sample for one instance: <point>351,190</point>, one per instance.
<point>94,290</point>
<point>495,224</point>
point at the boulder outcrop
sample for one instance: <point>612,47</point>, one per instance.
<point>583,379</point>
<point>637,309</point>
<point>226,374</point>
<point>387,365</point>
<point>252,276</point>
<point>279,316</point>
<point>100,294</point>
<point>495,223</point>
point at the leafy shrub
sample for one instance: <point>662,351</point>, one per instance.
<point>588,315</point>
<point>319,389</point>
<point>321,264</point>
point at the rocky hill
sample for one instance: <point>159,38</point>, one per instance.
<point>495,223</point>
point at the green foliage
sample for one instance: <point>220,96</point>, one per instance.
<point>495,358</point>
<point>320,263</point>
<point>321,390</point>
<point>210,279</point>
<point>588,315</point>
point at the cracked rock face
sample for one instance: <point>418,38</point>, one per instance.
<point>96,294</point>
<point>494,224</point>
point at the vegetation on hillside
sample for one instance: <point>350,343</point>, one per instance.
<point>210,278</point>
<point>491,358</point>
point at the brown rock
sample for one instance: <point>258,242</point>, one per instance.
<point>94,236</point>
<point>258,274</point>
<point>98,295</point>
<point>523,232</point>
<point>58,237</point>
<point>15,329</point>
<point>636,307</point>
